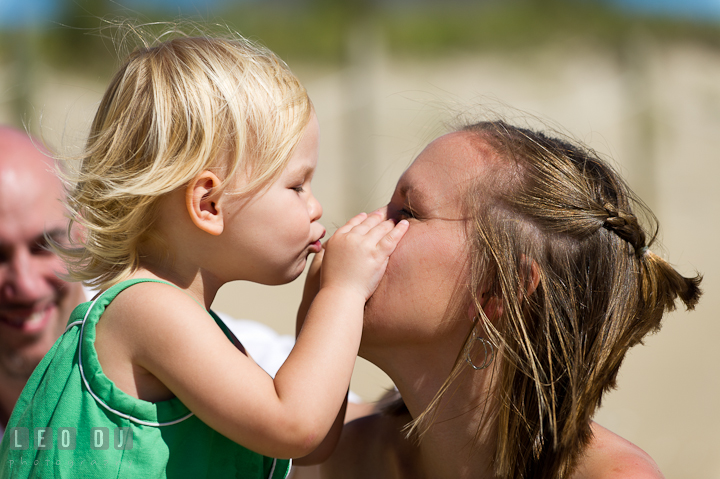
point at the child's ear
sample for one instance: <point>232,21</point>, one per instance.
<point>203,203</point>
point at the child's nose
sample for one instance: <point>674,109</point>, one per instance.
<point>315,209</point>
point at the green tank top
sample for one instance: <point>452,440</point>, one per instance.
<point>72,421</point>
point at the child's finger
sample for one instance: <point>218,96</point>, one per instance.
<point>373,219</point>
<point>354,221</point>
<point>388,242</point>
<point>382,211</point>
<point>378,231</point>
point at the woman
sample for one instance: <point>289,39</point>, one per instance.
<point>505,313</point>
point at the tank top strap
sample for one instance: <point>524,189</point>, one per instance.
<point>109,294</point>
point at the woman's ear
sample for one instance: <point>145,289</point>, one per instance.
<point>491,305</point>
<point>531,282</point>
<point>203,202</point>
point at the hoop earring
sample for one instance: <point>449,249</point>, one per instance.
<point>487,361</point>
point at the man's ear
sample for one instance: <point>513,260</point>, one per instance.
<point>203,202</point>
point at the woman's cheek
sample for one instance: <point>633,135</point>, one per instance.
<point>399,265</point>
<point>396,286</point>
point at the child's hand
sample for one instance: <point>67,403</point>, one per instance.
<point>357,254</point>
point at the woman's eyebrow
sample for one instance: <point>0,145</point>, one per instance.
<point>410,191</point>
<point>418,196</point>
<point>418,200</point>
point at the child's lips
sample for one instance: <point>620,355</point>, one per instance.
<point>316,246</point>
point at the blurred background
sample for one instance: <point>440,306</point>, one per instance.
<point>638,80</point>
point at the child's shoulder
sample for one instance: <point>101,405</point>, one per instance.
<point>147,297</point>
<point>149,307</point>
<point>142,328</point>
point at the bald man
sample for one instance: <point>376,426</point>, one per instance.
<point>34,303</point>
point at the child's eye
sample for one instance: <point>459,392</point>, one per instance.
<point>298,189</point>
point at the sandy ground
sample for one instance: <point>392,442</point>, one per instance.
<point>655,110</point>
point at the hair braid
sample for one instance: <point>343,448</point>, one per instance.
<point>626,226</point>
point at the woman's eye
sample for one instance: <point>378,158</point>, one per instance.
<point>406,213</point>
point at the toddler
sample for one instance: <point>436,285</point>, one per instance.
<point>197,171</point>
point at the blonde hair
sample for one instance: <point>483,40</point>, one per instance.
<point>561,208</point>
<point>173,110</point>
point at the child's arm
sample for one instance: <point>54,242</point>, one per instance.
<point>343,294</point>
<point>177,342</point>
<point>310,290</point>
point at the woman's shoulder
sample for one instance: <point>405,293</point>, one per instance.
<point>373,446</point>
<point>609,456</point>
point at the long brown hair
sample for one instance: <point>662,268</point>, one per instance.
<point>565,215</point>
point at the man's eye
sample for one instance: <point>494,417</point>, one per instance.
<point>40,248</point>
